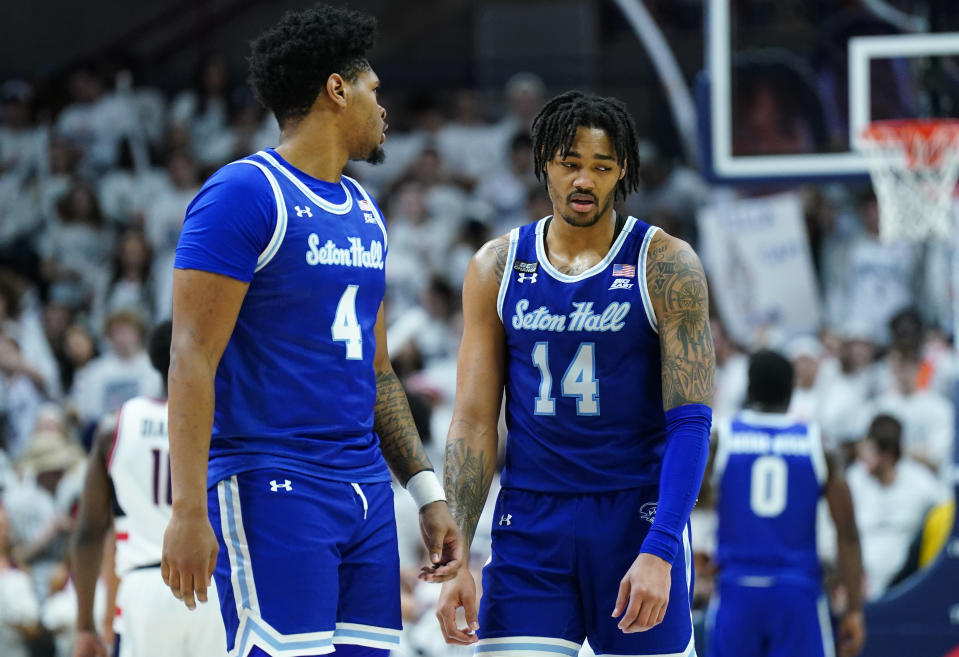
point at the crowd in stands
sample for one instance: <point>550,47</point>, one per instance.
<point>92,197</point>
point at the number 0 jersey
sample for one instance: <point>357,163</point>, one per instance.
<point>584,406</point>
<point>295,387</point>
<point>139,467</point>
<point>769,472</point>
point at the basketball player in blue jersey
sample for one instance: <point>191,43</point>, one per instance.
<point>284,409</point>
<point>596,325</point>
<point>769,472</point>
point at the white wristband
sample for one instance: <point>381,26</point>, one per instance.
<point>425,488</point>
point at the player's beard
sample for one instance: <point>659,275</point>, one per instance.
<point>376,156</point>
<point>592,219</point>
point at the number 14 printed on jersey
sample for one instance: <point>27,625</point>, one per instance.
<point>579,381</point>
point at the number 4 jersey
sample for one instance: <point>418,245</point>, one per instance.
<point>583,386</point>
<point>769,471</point>
<point>295,387</point>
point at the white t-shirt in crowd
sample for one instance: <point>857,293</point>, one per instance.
<point>890,517</point>
<point>106,382</point>
<point>18,606</point>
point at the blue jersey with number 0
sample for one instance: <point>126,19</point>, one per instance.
<point>769,472</point>
<point>295,388</point>
<point>584,405</point>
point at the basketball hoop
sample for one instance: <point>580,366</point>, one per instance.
<point>914,165</point>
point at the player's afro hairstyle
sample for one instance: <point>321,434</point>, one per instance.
<point>291,62</point>
<point>554,129</point>
<point>770,380</point>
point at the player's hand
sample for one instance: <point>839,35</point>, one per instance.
<point>88,644</point>
<point>189,555</point>
<point>852,633</point>
<point>443,543</point>
<point>643,594</point>
<point>459,592</point>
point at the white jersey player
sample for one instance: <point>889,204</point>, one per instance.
<point>128,482</point>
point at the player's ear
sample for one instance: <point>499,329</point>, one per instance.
<point>622,169</point>
<point>336,89</point>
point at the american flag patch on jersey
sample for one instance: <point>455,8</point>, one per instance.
<point>365,205</point>
<point>626,271</point>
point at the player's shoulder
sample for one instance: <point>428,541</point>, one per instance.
<point>243,175</point>
<point>489,262</point>
<point>666,247</point>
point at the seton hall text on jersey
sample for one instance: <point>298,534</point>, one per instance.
<point>582,318</point>
<point>355,255</point>
<point>757,442</point>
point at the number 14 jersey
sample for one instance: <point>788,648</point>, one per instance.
<point>584,406</point>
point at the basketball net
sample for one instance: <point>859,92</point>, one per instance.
<point>914,165</point>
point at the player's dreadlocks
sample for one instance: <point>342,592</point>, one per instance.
<point>554,129</point>
<point>292,60</point>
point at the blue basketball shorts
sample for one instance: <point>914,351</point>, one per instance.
<point>769,620</point>
<point>554,574</point>
<point>305,564</point>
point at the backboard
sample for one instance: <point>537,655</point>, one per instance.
<point>789,85</point>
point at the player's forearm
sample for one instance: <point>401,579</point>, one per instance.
<point>468,472</point>
<point>393,423</point>
<point>849,555</point>
<point>86,555</point>
<point>190,425</point>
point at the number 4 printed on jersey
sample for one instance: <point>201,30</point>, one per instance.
<point>346,327</point>
<point>579,381</point>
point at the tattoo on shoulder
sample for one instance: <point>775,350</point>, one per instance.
<point>677,287</point>
<point>500,249</point>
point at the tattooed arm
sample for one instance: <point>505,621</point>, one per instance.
<point>677,288</point>
<point>406,457</point>
<point>480,374</point>
<point>472,440</point>
<point>392,419</point>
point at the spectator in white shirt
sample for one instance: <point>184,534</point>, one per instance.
<point>19,608</point>
<point>928,418</point>
<point>506,187</point>
<point>877,279</point>
<point>19,399</point>
<point>124,371</point>
<point>891,496</point>
<point>848,391</point>
<point>806,353</point>
<point>732,372</point>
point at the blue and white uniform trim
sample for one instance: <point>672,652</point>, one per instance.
<point>825,627</point>
<point>641,273</point>
<point>333,208</point>
<point>373,209</point>
<point>366,635</point>
<point>527,646</point>
<point>231,521</point>
<point>689,651</point>
<point>279,231</point>
<point>503,284</point>
<point>253,630</point>
<point>595,269</point>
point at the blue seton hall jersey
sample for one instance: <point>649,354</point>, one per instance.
<point>295,388</point>
<point>769,472</point>
<point>584,406</point>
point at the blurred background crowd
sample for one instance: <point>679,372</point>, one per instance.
<point>93,189</point>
